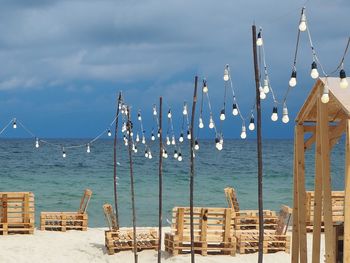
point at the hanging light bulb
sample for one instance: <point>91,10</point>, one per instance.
<point>135,149</point>
<point>293,79</point>
<point>150,154</point>
<point>251,124</point>
<point>205,86</point>
<point>218,145</point>
<point>262,93</point>
<point>325,95</point>
<point>131,134</point>
<point>184,112</point>
<point>146,153</point>
<point>139,116</point>
<point>201,124</point>
<point>196,145</point>
<point>226,73</point>
<point>124,127</point>
<point>285,117</point>
<point>137,137</point>
<point>211,122</point>
<point>152,137</point>
<point>234,109</point>
<point>64,155</point>
<point>343,81</point>
<point>302,25</point>
<point>126,111</point>
<point>222,115</point>
<point>181,138</point>
<point>179,158</point>
<point>165,154</point>
<point>158,134</point>
<point>259,41</point>
<point>169,114</point>
<point>173,141</point>
<point>314,72</point>
<point>176,155</point>
<point>143,139</point>
<point>126,143</point>
<point>154,110</point>
<point>14,123</point>
<point>88,150</point>
<point>109,133</point>
<point>274,116</point>
<point>266,87</point>
<point>37,143</point>
<point>244,132</point>
<point>167,140</point>
<point>188,135</point>
<point>119,106</point>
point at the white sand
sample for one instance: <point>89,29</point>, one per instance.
<point>88,246</point>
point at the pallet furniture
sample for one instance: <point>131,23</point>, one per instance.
<point>16,213</point>
<point>123,239</point>
<point>337,209</point>
<point>63,221</point>
<point>213,231</point>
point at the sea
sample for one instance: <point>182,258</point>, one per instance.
<point>58,183</point>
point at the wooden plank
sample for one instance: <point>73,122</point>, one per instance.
<point>346,248</point>
<point>203,225</point>
<point>326,181</point>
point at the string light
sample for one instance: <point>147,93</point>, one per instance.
<point>234,109</point>
<point>109,133</point>
<point>135,148</point>
<point>201,124</point>
<point>88,150</point>
<point>181,138</point>
<point>226,74</point>
<point>176,155</point>
<point>302,24</point>
<point>259,41</point>
<point>196,145</point>
<point>314,72</point>
<point>179,158</point>
<point>205,86</point>
<point>274,116</point>
<point>325,94</point>
<point>173,141</point>
<point>165,154</point>
<point>184,112</point>
<point>266,88</point>
<point>262,93</point>
<point>167,140</point>
<point>139,116</point>
<point>285,117</point>
<point>146,153</point>
<point>143,139</point>
<point>158,134</point>
<point>37,143</point>
<point>150,154</point>
<point>218,144</point>
<point>343,83</point>
<point>211,122</point>
<point>222,115</point>
<point>154,110</point>
<point>14,124</point>
<point>251,123</point>
<point>152,137</point>
<point>244,132</point>
<point>137,137</point>
<point>169,114</point>
<point>64,155</point>
<point>293,79</point>
<point>188,135</point>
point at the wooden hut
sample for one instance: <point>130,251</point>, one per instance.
<point>322,124</point>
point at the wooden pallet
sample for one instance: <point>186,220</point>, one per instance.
<point>119,240</point>
<point>63,221</point>
<point>249,220</point>
<point>16,213</point>
<point>213,231</point>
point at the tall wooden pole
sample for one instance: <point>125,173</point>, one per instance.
<point>259,149</point>
<point>115,160</point>
<point>192,166</point>
<point>129,128</point>
<point>160,223</point>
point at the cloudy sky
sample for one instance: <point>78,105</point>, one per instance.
<point>63,62</point>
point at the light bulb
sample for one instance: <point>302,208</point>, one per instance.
<point>266,88</point>
<point>244,132</point>
<point>109,133</point>
<point>135,149</point>
<point>259,41</point>
<point>205,86</point>
<point>126,142</point>
<point>201,124</point>
<point>314,72</point>
<point>152,137</point>
<point>293,79</point>
<point>64,155</point>
<point>218,145</point>
<point>181,138</point>
<point>222,115</point>
<point>325,95</point>
<point>175,154</point>
<point>139,116</point>
<point>143,139</point>
<point>179,158</point>
<point>137,137</point>
<point>196,145</point>
<point>146,154</point>
<point>188,135</point>
<point>165,154</point>
<point>173,141</point>
<point>36,143</point>
<point>274,116</point>
<point>302,25</point>
<point>285,117</point>
<point>262,95</point>
<point>234,109</point>
<point>343,81</point>
<point>251,124</point>
<point>169,114</point>
<point>154,110</point>
<point>124,127</point>
<point>211,123</point>
<point>226,74</point>
<point>158,134</point>
<point>150,155</point>
<point>131,134</point>
<point>88,150</point>
<point>184,112</point>
<point>14,124</point>
<point>167,140</point>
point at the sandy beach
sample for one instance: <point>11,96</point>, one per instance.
<point>77,246</point>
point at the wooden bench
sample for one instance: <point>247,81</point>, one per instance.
<point>213,231</point>
<point>16,213</point>
<point>337,209</point>
<point>63,221</point>
<point>123,239</point>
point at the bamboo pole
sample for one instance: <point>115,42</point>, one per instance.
<point>192,167</point>
<point>115,160</point>
<point>160,178</point>
<point>259,149</point>
<point>129,128</point>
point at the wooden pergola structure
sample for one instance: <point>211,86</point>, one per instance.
<point>325,123</point>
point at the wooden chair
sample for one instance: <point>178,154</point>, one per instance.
<point>123,239</point>
<point>16,213</point>
<point>63,221</point>
<point>213,231</point>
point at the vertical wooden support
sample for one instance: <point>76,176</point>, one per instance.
<point>322,109</point>
<point>295,233</point>
<point>5,215</point>
<point>180,227</point>
<point>301,192</point>
<point>346,255</point>
<point>203,228</point>
<point>318,197</point>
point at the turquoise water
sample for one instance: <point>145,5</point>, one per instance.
<point>58,183</point>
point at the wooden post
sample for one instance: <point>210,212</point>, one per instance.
<point>160,223</point>
<point>192,166</point>
<point>115,160</point>
<point>259,149</point>
<point>129,128</point>
<point>301,192</point>
<point>346,256</point>
<point>322,109</point>
<point>316,238</point>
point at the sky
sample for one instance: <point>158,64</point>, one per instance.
<point>62,63</point>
